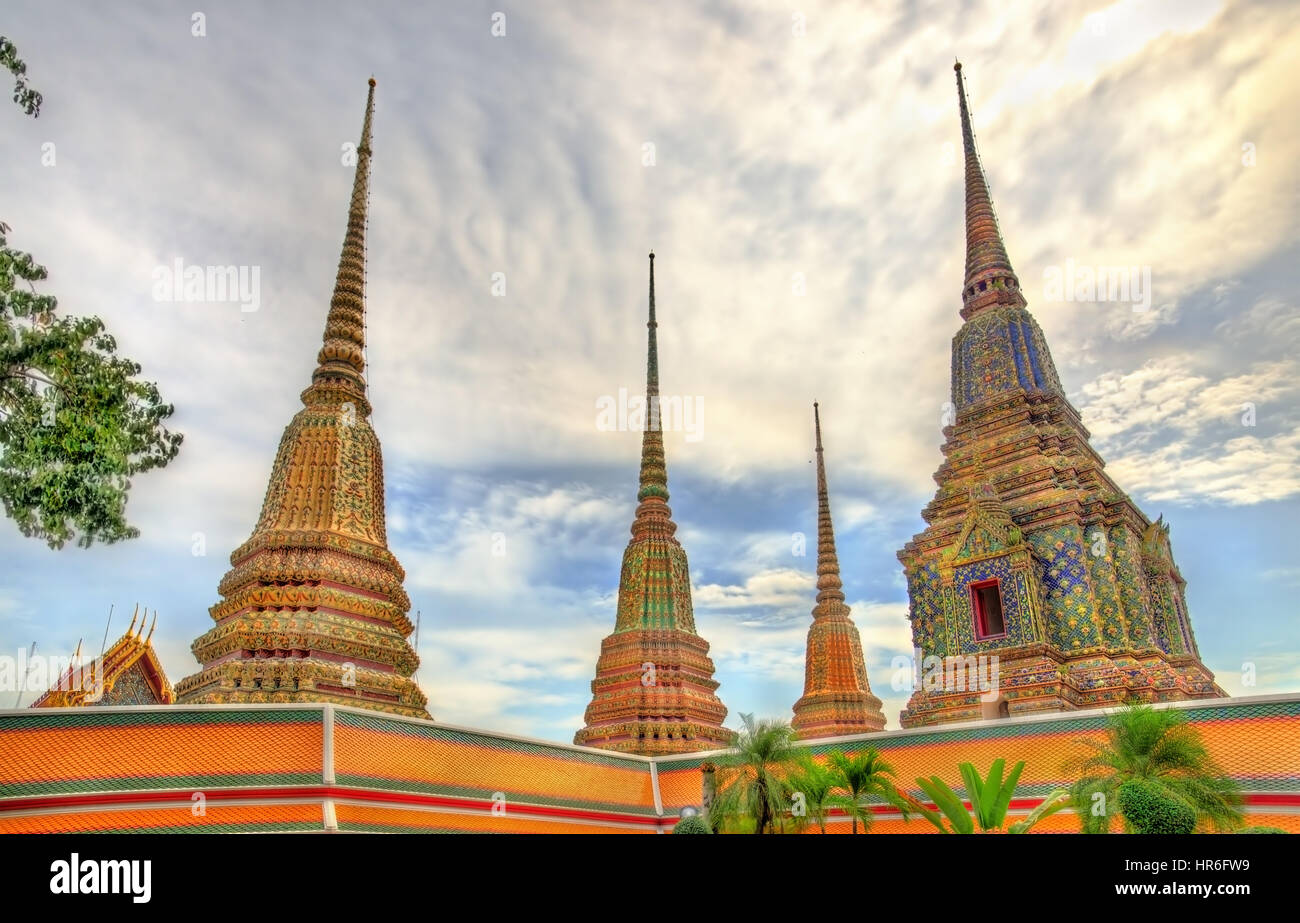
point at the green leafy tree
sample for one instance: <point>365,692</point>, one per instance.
<point>75,422</point>
<point>752,787</point>
<point>1159,747</point>
<point>858,778</point>
<point>990,798</point>
<point>27,99</point>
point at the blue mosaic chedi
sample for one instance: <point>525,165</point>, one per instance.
<point>1001,348</point>
<point>1087,601</point>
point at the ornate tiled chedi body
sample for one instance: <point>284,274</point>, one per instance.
<point>836,698</point>
<point>1031,553</point>
<point>313,607</point>
<point>654,685</point>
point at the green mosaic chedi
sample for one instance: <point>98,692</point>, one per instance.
<point>654,690</point>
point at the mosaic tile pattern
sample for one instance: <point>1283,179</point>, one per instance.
<point>1017,469</point>
<point>1066,589</point>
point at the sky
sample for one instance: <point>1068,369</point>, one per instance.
<point>797,173</point>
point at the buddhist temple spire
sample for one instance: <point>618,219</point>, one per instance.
<point>313,608</point>
<point>342,353</point>
<point>654,691</point>
<point>1024,582</point>
<point>653,516</point>
<point>989,276</point>
<point>837,697</point>
<point>829,586</point>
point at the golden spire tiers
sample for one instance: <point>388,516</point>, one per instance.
<point>313,608</point>
<point>836,698</point>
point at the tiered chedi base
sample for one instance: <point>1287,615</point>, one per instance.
<point>1093,605</point>
<point>313,607</point>
<point>654,694</point>
<point>842,702</point>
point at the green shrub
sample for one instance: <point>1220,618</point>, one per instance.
<point>1261,830</point>
<point>693,824</point>
<point>1150,808</point>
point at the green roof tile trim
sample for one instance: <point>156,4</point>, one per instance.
<point>162,715</point>
<point>352,827</point>
<point>252,827</point>
<point>147,784</point>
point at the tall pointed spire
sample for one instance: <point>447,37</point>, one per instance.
<point>837,697</point>
<point>989,276</point>
<point>313,608</point>
<point>1000,349</point>
<point>654,690</point>
<point>342,353</point>
<point>653,516</point>
<point>829,587</point>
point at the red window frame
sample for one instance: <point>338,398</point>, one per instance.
<point>978,614</point>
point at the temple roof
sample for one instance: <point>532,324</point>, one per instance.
<point>93,683</point>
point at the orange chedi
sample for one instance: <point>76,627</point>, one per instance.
<point>836,698</point>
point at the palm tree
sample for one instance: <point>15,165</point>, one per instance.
<point>752,779</point>
<point>1160,747</point>
<point>813,784</point>
<point>990,798</point>
<point>859,777</point>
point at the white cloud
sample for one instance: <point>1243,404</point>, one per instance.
<point>1244,470</point>
<point>782,587</point>
<point>1172,433</point>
